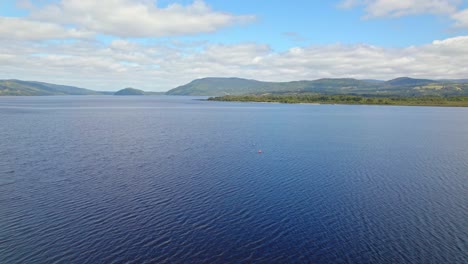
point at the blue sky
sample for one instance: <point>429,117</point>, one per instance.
<point>159,45</point>
<point>323,22</point>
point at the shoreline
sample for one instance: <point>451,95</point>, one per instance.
<point>384,101</point>
<point>340,104</point>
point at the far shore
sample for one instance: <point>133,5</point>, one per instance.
<point>314,99</point>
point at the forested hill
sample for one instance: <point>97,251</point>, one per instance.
<point>222,86</point>
<point>402,86</point>
<point>17,87</point>
<point>129,91</point>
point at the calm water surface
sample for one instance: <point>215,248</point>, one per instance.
<point>171,179</point>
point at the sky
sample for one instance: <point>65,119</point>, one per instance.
<point>152,45</point>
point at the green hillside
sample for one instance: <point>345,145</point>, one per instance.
<point>405,81</point>
<point>130,91</point>
<point>223,86</point>
<point>17,87</point>
<point>403,86</point>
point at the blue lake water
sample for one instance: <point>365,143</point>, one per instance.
<point>102,179</point>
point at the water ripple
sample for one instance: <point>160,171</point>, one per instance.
<point>151,180</point>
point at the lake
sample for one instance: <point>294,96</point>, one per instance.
<point>107,179</point>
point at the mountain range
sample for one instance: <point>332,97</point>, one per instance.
<point>18,87</point>
<point>403,86</point>
<point>32,88</point>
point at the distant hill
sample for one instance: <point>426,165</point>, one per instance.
<point>17,87</point>
<point>403,86</point>
<point>238,86</point>
<point>235,86</point>
<point>406,81</point>
<point>373,81</point>
<point>130,91</point>
<point>454,80</point>
<point>338,86</point>
<point>154,93</point>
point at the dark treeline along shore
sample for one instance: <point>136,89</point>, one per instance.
<point>347,99</point>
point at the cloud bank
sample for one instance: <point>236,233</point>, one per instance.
<point>161,67</point>
<point>118,18</point>
<point>392,8</point>
<point>23,29</point>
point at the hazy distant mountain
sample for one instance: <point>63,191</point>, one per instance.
<point>130,91</point>
<point>222,86</point>
<point>404,86</point>
<point>406,81</point>
<point>17,87</point>
<point>373,81</point>
<point>338,86</point>
<point>454,80</point>
<point>238,86</point>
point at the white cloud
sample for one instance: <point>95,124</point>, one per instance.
<point>461,18</point>
<point>392,8</point>
<point>18,28</point>
<point>137,18</point>
<point>161,67</point>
